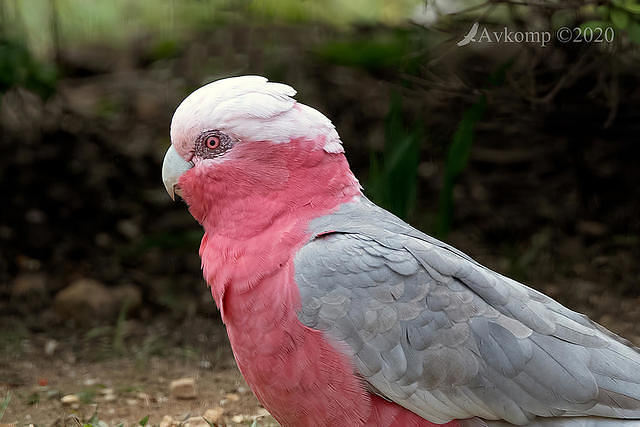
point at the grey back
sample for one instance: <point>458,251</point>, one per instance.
<point>436,332</point>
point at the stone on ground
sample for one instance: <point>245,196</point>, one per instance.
<point>183,388</point>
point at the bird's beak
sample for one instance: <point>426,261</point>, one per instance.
<point>173,167</point>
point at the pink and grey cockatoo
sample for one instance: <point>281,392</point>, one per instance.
<point>341,314</point>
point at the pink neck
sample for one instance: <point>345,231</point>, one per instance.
<point>256,206</point>
<point>264,187</point>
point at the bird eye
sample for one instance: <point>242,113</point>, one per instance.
<point>212,142</point>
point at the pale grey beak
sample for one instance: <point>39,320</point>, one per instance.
<point>173,167</point>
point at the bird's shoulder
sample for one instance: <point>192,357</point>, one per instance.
<point>446,337</point>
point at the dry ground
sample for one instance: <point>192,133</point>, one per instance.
<point>38,368</point>
<point>124,388</point>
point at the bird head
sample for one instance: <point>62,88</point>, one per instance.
<point>242,141</point>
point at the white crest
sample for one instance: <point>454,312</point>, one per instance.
<point>250,108</point>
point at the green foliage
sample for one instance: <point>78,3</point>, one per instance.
<point>619,17</point>
<point>143,422</point>
<point>95,421</point>
<point>460,150</point>
<point>335,12</point>
<point>119,333</point>
<point>5,404</point>
<point>623,15</point>
<point>456,162</point>
<point>164,49</point>
<point>634,32</point>
<point>116,22</point>
<point>87,395</point>
<point>19,68</point>
<point>593,24</point>
<point>33,398</point>
<point>392,49</point>
<point>393,175</point>
<point>113,22</point>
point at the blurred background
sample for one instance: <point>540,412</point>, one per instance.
<point>522,155</point>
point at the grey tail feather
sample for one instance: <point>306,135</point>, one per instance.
<point>472,422</point>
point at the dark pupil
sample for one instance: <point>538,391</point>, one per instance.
<point>213,142</point>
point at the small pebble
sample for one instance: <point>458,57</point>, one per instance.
<point>213,415</point>
<point>262,413</point>
<point>232,397</point>
<point>183,388</point>
<point>195,422</point>
<point>167,421</point>
<point>50,347</point>
<point>70,399</point>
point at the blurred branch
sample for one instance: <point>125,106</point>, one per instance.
<point>575,71</point>
<point>55,30</point>
<point>531,78</point>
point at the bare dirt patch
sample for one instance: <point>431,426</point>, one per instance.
<point>124,388</point>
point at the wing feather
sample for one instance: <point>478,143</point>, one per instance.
<point>436,332</point>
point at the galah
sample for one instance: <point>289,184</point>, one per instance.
<point>341,314</point>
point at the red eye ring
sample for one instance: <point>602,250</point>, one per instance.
<point>212,142</point>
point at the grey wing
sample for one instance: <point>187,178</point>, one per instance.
<point>448,339</point>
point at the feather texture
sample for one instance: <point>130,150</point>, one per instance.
<point>250,108</point>
<point>339,313</point>
<point>447,338</point>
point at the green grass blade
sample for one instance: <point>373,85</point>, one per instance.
<point>457,160</point>
<point>393,173</point>
<point>5,404</point>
